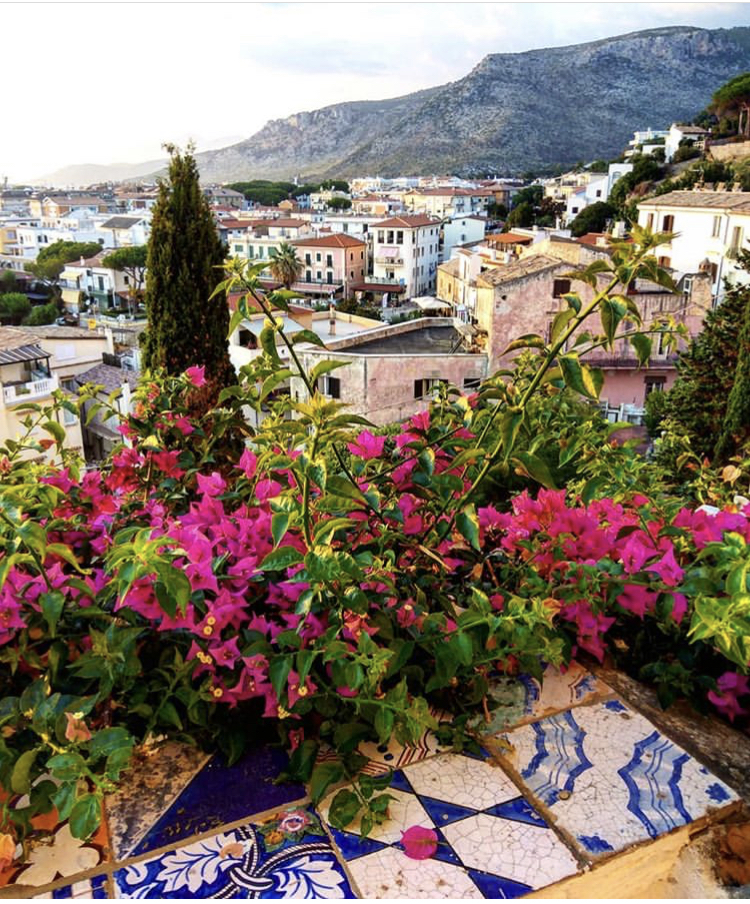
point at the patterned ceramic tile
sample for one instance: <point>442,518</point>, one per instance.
<point>491,842</point>
<point>148,788</point>
<point>219,794</point>
<point>610,778</point>
<point>56,855</point>
<point>516,700</point>
<point>86,888</point>
<point>288,856</point>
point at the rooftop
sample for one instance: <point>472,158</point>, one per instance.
<point>407,222</point>
<point>736,201</point>
<point>337,240</point>
<point>521,269</point>
<point>18,345</point>
<point>121,222</point>
<point>111,378</point>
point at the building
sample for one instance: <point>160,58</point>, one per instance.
<point>596,189</point>
<point>679,133</point>
<point>124,231</point>
<point>448,202</point>
<point>117,384</point>
<point>645,141</point>
<point>393,371</point>
<point>459,230</point>
<point>406,249</point>
<point>256,239</point>
<point>710,228</point>
<point>101,286</point>
<point>27,374</point>
<point>332,260</point>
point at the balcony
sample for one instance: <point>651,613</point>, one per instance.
<point>393,261</point>
<point>18,393</point>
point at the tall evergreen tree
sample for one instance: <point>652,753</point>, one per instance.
<point>698,401</point>
<point>183,267</point>
<point>735,430</point>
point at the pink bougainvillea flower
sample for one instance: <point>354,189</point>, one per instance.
<point>668,569</point>
<point>248,463</point>
<point>76,729</point>
<point>367,445</point>
<point>213,485</point>
<point>637,599</point>
<point>732,685</point>
<point>419,843</point>
<point>196,375</point>
<point>267,489</point>
<point>679,606</point>
<point>298,690</point>
<point>167,462</point>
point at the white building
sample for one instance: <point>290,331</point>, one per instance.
<point>459,230</point>
<point>644,139</point>
<point>407,249</point>
<point>597,188</point>
<point>678,132</point>
<point>710,227</point>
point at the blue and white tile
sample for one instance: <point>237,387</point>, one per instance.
<point>491,842</point>
<point>519,699</point>
<point>86,888</point>
<point>287,856</point>
<point>219,794</point>
<point>610,778</point>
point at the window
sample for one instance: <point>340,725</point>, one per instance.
<point>560,287</point>
<point>400,237</point>
<point>329,260</point>
<point>390,236</point>
<point>329,278</point>
<point>471,382</point>
<point>423,388</point>
<point>664,261</point>
<point>351,274</point>
<point>308,275</point>
<point>361,255</point>
<point>318,274</point>
<point>736,238</point>
<point>654,384</point>
<point>667,223</point>
<point>330,386</point>
<point>69,417</point>
<point>714,271</point>
<point>238,249</point>
<point>381,235</point>
<point>318,258</point>
<point>251,251</point>
<point>598,193</point>
<point>308,259</point>
<point>716,227</point>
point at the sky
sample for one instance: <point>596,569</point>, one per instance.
<point>110,82</point>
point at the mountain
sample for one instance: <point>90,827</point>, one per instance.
<point>80,174</point>
<point>512,113</point>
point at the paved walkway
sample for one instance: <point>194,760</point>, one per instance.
<point>571,783</point>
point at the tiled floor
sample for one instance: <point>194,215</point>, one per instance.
<point>570,775</point>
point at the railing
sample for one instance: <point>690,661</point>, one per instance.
<point>35,389</point>
<point>396,261</point>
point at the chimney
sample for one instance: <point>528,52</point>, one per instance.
<point>110,340</point>
<point>331,320</point>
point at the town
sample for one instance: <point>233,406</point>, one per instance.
<point>427,279</point>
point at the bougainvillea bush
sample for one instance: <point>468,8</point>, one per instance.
<point>319,581</point>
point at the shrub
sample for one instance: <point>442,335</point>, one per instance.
<point>43,314</point>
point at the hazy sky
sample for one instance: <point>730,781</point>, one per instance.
<point>109,82</point>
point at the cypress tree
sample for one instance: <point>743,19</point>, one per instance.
<point>735,431</point>
<point>183,263</point>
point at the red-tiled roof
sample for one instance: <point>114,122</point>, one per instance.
<point>407,222</point>
<point>508,238</point>
<point>337,240</point>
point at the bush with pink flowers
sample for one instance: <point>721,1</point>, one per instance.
<point>330,583</point>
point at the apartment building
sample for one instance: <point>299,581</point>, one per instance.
<point>337,260</point>
<point>406,249</point>
<point>710,228</point>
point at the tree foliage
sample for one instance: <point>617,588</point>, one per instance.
<point>593,218</point>
<point>14,306</point>
<point>733,100</point>
<point>66,252</point>
<point>130,260</point>
<point>285,266</point>
<point>186,325</point>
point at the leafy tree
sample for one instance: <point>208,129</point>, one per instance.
<point>14,306</point>
<point>184,265</point>
<point>307,189</point>
<point>263,191</point>
<point>66,252</point>
<point>285,266</point>
<point>47,272</point>
<point>598,166</point>
<point>592,218</point>
<point>522,215</point>
<point>7,281</point>
<point>735,427</point>
<point>43,314</point>
<point>697,402</point>
<point>531,194</point>
<point>498,211</point>
<point>335,185</point>
<point>733,100</point>
<point>339,204</point>
<point>131,261</point>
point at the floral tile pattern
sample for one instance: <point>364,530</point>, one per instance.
<point>219,794</point>
<point>520,699</point>
<point>86,888</point>
<point>491,842</point>
<point>149,787</point>
<point>610,778</point>
<point>288,856</point>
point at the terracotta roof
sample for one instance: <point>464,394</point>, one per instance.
<point>595,239</point>
<point>407,222</point>
<point>508,238</point>
<point>336,240</point>
<point>736,201</point>
<point>286,222</point>
<point>521,269</point>
<point>450,267</point>
<point>95,261</point>
<point>235,224</point>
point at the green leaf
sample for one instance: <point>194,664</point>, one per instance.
<point>384,724</point>
<point>268,344</point>
<point>64,798</point>
<point>85,816</point>
<point>56,430</point>
<point>278,672</point>
<point>467,523</point>
<point>536,469</point>
<point>66,553</point>
<point>642,345</point>
<point>308,336</point>
<point>167,713</point>
<point>272,381</point>
<point>108,740</point>
<point>20,779</point>
<point>578,376</point>
<point>611,313</point>
<point>560,322</point>
<point>281,558</point>
<point>529,340</point>
<point>573,300</point>
<point>324,367</point>
<point>509,427</point>
<point>67,766</point>
<point>323,776</point>
<point>52,606</point>
<point>344,808</point>
<point>342,486</point>
<point>279,524</point>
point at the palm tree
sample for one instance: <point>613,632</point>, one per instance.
<point>285,266</point>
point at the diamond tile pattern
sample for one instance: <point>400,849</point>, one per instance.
<point>610,778</point>
<point>491,842</point>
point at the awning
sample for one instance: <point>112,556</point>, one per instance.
<point>430,303</point>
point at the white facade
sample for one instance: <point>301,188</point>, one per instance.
<point>407,250</point>
<point>643,139</point>
<point>675,135</point>
<point>459,230</point>
<point>710,227</point>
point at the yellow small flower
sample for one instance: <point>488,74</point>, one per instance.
<point>302,691</point>
<point>210,620</point>
<point>208,630</point>
<point>283,713</point>
<point>217,692</point>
